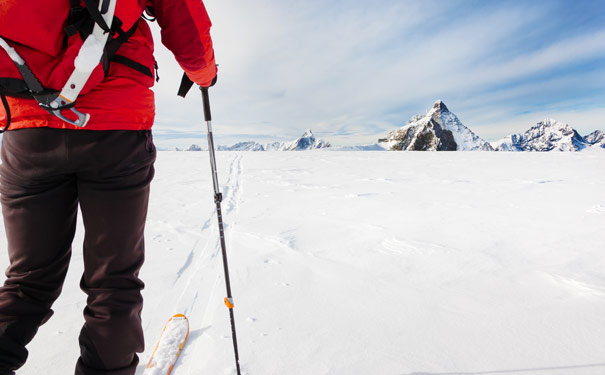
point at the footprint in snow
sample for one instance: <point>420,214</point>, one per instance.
<point>159,238</point>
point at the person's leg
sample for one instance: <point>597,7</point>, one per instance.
<point>39,205</point>
<point>113,198</point>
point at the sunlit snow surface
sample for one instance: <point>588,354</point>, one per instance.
<point>365,263</point>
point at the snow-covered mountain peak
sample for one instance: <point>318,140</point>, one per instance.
<point>308,134</point>
<point>306,142</point>
<point>550,124</point>
<point>596,138</point>
<point>438,130</point>
<point>546,135</point>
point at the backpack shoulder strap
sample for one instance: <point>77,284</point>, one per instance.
<point>97,12</point>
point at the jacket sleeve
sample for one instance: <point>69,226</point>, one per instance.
<point>185,30</point>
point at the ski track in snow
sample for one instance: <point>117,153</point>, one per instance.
<point>230,196</point>
<point>204,263</point>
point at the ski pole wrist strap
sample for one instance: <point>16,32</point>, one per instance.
<point>186,85</point>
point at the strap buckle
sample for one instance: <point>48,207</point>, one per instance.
<point>55,104</point>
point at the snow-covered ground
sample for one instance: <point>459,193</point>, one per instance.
<point>394,263</point>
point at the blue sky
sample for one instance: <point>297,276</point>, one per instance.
<point>353,70</point>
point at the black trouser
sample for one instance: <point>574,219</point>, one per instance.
<point>45,174</point>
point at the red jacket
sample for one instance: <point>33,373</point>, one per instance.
<point>122,99</point>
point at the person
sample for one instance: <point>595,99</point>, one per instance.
<point>50,167</point>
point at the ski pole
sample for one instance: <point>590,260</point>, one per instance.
<point>218,197</point>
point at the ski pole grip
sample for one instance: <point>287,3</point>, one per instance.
<point>206,99</point>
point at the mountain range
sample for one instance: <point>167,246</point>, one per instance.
<point>306,142</point>
<point>441,130</point>
<point>547,135</point>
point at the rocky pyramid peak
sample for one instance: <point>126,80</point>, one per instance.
<point>440,105</point>
<point>438,130</point>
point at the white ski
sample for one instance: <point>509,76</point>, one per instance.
<point>169,346</point>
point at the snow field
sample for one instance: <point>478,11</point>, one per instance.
<point>370,263</point>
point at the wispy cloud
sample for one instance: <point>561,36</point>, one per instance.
<point>353,70</point>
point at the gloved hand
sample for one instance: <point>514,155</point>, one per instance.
<point>213,81</point>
